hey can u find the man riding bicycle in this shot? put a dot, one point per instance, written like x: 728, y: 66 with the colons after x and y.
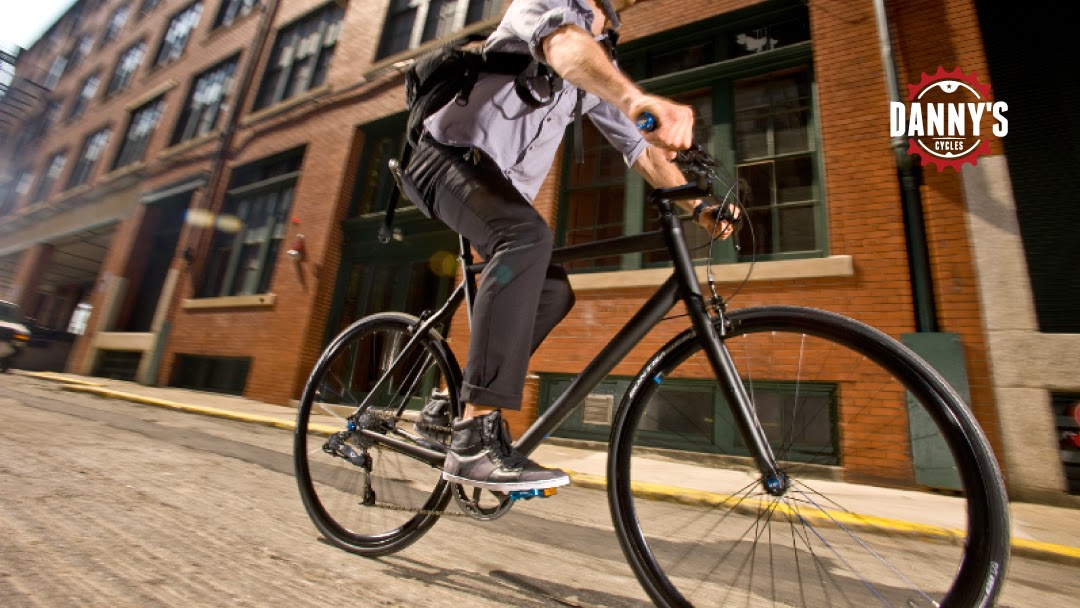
x: 478, y: 167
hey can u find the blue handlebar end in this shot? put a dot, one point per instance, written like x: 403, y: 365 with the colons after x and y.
x: 646, y: 122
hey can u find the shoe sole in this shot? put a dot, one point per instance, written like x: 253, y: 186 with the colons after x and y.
x: 508, y: 487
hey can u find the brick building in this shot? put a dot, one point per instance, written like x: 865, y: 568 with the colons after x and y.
x: 161, y: 156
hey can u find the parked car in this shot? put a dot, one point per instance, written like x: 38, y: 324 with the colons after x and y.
x: 14, y: 334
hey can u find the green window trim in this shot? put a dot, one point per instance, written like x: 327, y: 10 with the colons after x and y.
x: 717, y: 79
x: 722, y: 438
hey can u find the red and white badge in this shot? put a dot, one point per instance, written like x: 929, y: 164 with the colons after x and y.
x: 945, y: 117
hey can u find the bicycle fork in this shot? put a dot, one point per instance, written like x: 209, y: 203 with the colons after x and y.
x: 742, y: 408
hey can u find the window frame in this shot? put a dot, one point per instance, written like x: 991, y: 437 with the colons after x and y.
x: 170, y: 53
x: 111, y: 33
x: 16, y: 190
x: 126, y: 154
x: 182, y: 132
x: 56, y: 71
x: 50, y: 177
x: 219, y: 278
x: 719, y: 77
x: 147, y: 6
x: 464, y: 15
x: 373, y: 179
x: 83, y: 170
x: 118, y: 82
x: 80, y: 50
x: 224, y: 19
x: 281, y: 79
x: 724, y: 438
x: 82, y: 102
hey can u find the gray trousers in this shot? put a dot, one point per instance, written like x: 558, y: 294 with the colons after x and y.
x: 521, y: 295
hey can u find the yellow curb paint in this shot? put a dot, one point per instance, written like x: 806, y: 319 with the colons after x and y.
x: 54, y: 377
x: 195, y: 409
x: 1035, y: 547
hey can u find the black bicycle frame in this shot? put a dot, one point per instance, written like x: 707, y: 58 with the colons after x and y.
x: 681, y: 285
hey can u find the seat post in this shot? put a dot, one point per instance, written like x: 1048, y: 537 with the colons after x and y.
x: 468, y: 275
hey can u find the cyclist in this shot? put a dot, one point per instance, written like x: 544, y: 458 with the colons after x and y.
x: 478, y: 168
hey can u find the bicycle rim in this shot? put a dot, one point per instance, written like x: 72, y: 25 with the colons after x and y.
x: 408, y: 493
x: 835, y: 398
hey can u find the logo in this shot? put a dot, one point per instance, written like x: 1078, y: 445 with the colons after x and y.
x: 944, y: 119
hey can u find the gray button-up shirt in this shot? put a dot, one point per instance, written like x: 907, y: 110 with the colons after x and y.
x: 522, y: 140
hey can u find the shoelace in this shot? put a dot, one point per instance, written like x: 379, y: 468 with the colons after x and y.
x: 499, y: 438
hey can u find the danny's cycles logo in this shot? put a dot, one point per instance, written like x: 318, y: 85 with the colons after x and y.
x: 944, y: 119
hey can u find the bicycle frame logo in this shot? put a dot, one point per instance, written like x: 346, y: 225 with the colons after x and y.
x: 944, y: 117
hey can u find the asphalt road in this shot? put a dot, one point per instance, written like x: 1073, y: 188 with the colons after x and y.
x: 107, y: 503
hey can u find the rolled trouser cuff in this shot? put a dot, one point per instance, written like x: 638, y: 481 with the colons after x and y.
x: 478, y: 395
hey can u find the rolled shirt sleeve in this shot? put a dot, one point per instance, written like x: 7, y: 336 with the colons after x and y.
x: 618, y: 130
x: 534, y: 21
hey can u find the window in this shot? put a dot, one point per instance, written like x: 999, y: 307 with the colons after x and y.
x: 176, y: 37
x: 383, y: 140
x: 301, y: 57
x: 200, y: 114
x: 143, y: 121
x: 125, y: 68
x: 250, y: 228
x: 147, y: 6
x: 35, y: 129
x: 231, y: 10
x: 91, y: 152
x: 754, y: 112
x: 214, y: 374
x: 410, y: 23
x: 799, y: 419
x: 89, y: 89
x: 774, y: 156
x: 14, y: 191
x: 593, y: 186
x: 56, y: 167
x: 81, y: 49
x: 116, y: 23
x: 56, y: 70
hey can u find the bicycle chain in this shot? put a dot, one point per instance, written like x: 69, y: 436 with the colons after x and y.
x: 387, y: 416
x: 390, y: 507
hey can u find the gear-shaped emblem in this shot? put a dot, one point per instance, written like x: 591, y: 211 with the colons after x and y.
x: 944, y: 121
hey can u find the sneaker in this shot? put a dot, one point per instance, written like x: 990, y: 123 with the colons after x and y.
x: 433, y: 423
x: 481, y: 455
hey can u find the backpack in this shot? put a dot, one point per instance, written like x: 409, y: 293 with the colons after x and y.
x: 449, y: 73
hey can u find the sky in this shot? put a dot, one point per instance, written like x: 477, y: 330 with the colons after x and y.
x: 25, y: 21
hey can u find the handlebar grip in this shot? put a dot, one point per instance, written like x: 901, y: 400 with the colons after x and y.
x: 646, y: 122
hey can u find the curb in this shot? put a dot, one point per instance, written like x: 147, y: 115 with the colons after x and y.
x: 1022, y: 547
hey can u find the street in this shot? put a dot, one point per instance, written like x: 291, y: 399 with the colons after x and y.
x: 108, y: 503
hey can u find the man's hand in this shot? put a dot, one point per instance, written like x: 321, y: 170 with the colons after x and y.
x: 709, y: 219
x: 674, y: 122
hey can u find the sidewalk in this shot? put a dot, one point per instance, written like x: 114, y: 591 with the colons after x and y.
x: 1041, y: 531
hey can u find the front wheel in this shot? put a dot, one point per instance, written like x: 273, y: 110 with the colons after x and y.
x: 363, y: 496
x: 839, y: 402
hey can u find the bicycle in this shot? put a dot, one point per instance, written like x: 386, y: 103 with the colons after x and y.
x: 373, y: 486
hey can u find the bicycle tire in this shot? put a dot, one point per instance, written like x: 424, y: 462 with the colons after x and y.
x: 672, y: 560
x: 409, y: 494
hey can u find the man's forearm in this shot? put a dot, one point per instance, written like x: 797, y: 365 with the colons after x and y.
x: 576, y: 56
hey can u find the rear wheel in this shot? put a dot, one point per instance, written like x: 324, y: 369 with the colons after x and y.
x: 823, y: 387
x: 362, y: 495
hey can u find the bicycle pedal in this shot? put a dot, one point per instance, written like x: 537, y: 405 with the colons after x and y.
x: 530, y: 494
